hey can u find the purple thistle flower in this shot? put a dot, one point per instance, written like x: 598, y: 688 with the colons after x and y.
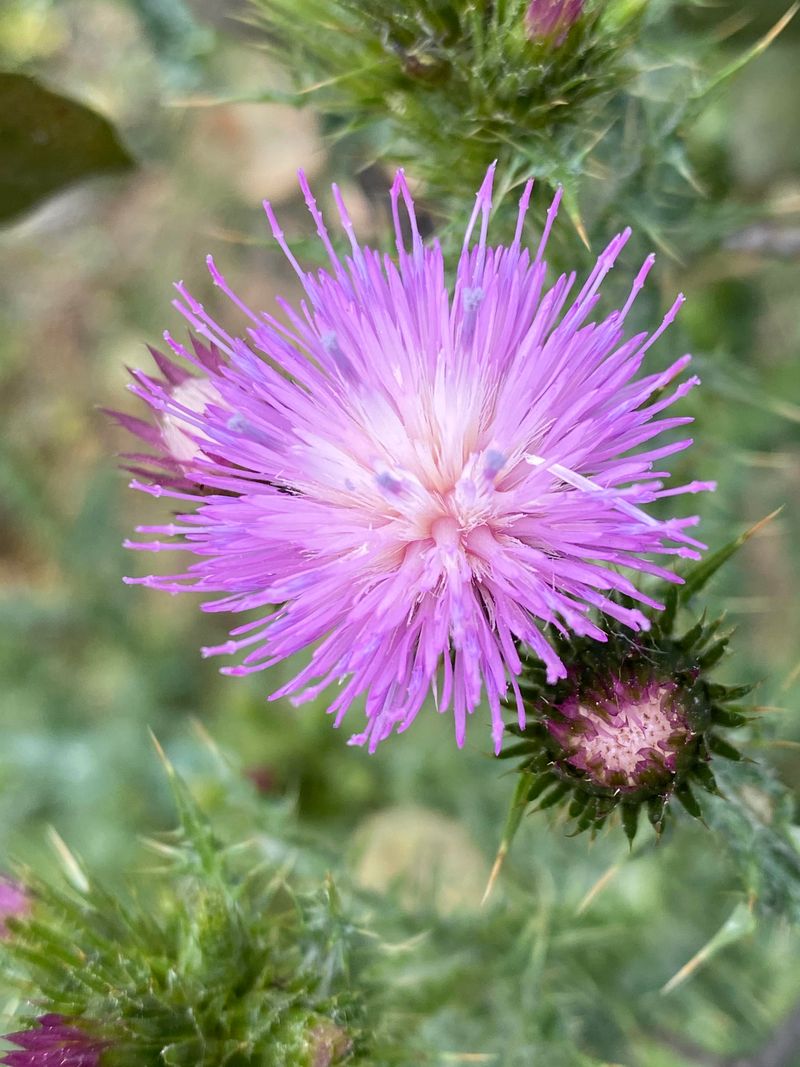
x: 412, y: 481
x: 14, y: 902
x: 552, y: 19
x: 54, y: 1042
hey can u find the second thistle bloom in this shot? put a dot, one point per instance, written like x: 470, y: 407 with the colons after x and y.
x: 411, y: 481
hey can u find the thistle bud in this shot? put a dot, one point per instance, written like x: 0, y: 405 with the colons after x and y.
x: 175, y: 435
x: 182, y: 440
x: 14, y: 903
x: 551, y: 20
x: 329, y: 1044
x: 627, y: 735
x: 229, y: 963
x: 633, y: 724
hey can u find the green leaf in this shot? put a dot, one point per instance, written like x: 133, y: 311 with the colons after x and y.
x: 701, y: 574
x: 528, y: 787
x: 47, y: 142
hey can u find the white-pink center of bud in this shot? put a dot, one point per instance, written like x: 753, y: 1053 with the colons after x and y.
x: 618, y: 741
x: 182, y: 438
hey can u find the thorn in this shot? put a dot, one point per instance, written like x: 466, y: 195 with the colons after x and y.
x: 777, y: 29
x: 599, y: 886
x: 73, y: 869
x: 495, y: 872
x: 739, y: 924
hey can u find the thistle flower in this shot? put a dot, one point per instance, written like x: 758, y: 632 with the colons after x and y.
x: 54, y: 1042
x: 552, y: 19
x: 634, y: 726
x: 414, y: 480
x: 14, y: 902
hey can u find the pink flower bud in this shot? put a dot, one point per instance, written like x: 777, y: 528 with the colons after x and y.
x: 13, y: 902
x: 552, y: 19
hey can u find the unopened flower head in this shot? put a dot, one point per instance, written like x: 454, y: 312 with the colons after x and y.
x: 634, y: 724
x: 14, y: 902
x: 177, y: 437
x: 55, y: 1041
x: 412, y: 481
x: 552, y: 19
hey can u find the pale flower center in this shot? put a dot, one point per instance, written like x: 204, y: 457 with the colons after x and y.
x: 619, y: 741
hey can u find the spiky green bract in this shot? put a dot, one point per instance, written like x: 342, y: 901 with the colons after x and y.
x: 572, y: 727
x: 446, y: 87
x: 216, y: 959
x: 622, y: 670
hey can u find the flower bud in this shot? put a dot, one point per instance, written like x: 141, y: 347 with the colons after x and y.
x: 551, y: 20
x: 633, y: 724
x: 180, y: 400
x: 329, y: 1044
x: 627, y: 736
x: 14, y: 903
x: 183, y: 440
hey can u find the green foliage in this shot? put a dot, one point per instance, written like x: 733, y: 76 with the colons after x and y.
x: 47, y: 142
x: 755, y: 817
x: 446, y: 87
x: 214, y: 959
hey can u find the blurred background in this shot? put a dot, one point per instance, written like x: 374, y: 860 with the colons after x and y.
x: 87, y: 664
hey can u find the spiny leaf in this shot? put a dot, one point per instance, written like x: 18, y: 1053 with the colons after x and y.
x: 756, y: 825
x: 752, y: 53
x: 194, y: 825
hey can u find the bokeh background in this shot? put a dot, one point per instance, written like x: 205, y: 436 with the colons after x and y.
x: 87, y: 665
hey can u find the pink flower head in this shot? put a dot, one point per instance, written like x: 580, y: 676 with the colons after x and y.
x: 411, y: 481
x: 14, y: 902
x: 54, y: 1042
x: 552, y: 19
